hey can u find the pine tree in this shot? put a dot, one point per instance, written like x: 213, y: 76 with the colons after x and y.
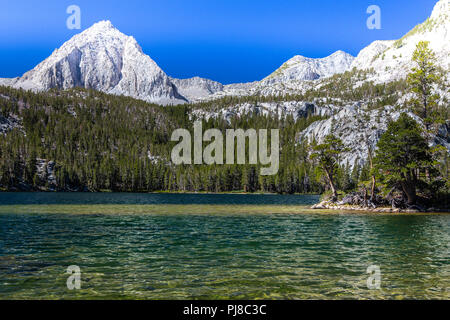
x: 421, y: 81
x: 327, y: 154
x: 403, y: 157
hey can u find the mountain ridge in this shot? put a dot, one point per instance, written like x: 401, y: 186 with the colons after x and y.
x: 304, y: 68
x: 104, y: 59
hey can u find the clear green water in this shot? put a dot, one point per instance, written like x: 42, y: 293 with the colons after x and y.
x: 159, y: 253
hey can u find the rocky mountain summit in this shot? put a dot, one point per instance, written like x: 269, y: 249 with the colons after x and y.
x: 302, y: 68
x: 104, y: 59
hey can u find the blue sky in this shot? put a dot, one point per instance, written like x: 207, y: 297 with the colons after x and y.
x: 228, y: 41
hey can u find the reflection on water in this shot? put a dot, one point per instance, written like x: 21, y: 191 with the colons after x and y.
x: 223, y: 256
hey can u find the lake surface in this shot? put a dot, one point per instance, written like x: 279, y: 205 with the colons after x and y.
x: 156, y: 253
x: 86, y: 198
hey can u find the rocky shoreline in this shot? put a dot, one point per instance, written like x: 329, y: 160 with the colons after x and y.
x: 335, y: 206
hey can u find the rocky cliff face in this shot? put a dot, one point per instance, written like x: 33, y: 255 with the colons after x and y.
x: 296, y: 109
x: 195, y: 89
x: 8, y: 82
x: 9, y: 123
x: 358, y: 128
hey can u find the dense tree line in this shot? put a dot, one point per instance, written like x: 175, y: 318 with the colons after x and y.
x: 103, y: 142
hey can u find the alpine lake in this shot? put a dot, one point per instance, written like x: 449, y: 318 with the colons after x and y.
x: 215, y: 246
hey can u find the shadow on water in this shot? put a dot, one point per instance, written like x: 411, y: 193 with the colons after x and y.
x: 85, y: 198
